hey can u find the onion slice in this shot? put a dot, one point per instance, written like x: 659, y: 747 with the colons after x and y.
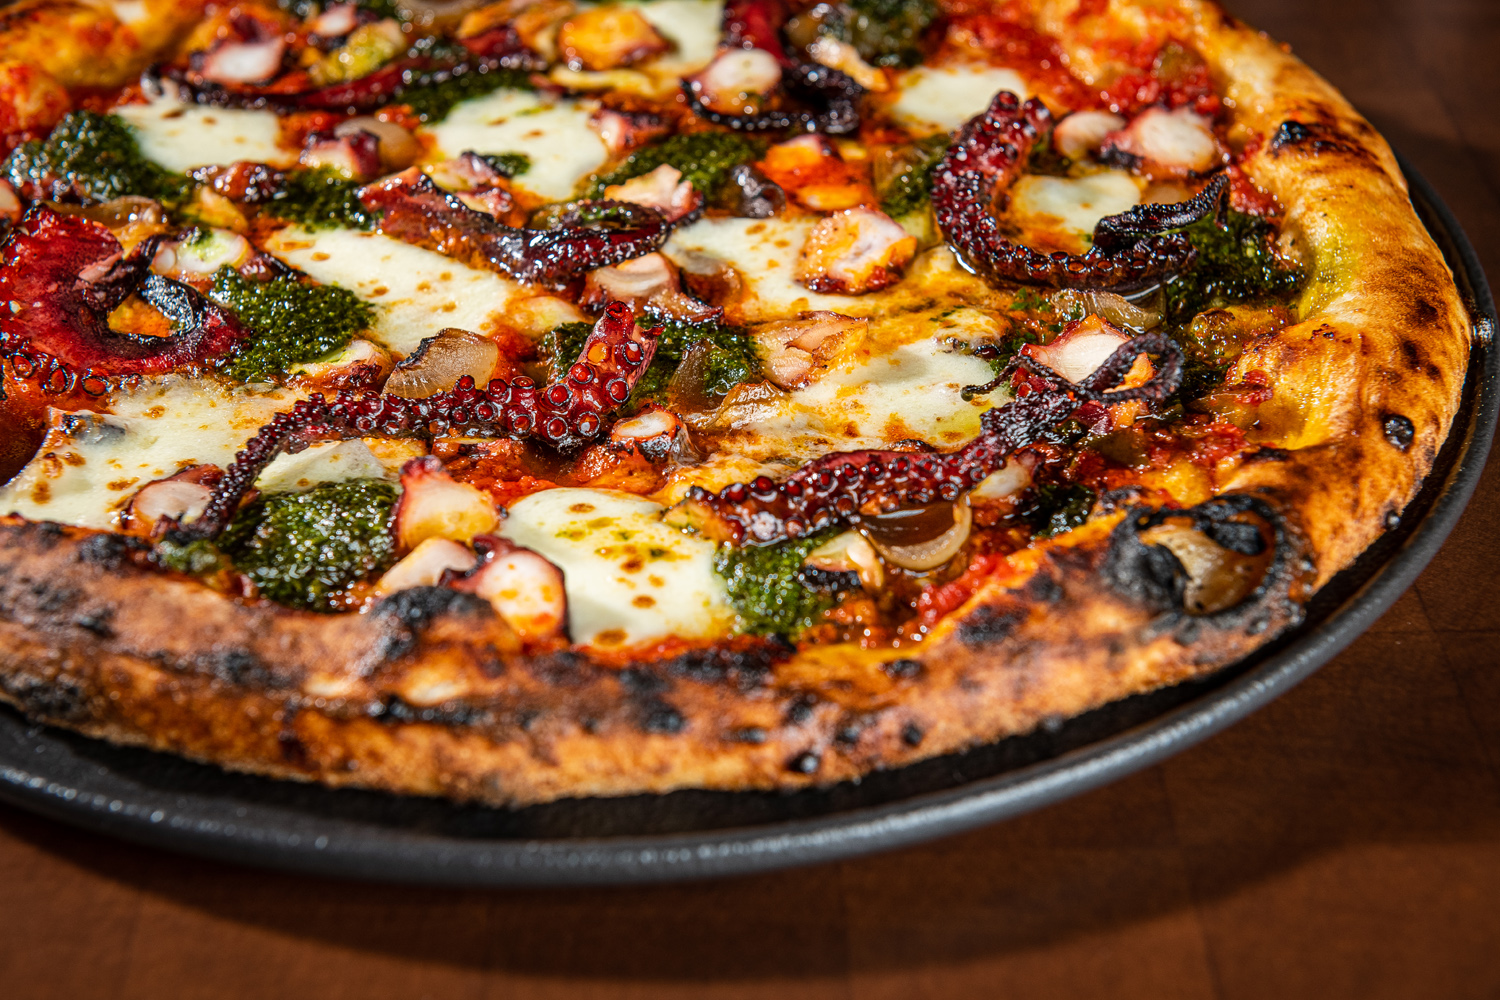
x: 920, y: 538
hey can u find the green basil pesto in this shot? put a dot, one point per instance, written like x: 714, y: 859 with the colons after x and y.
x: 1235, y: 264
x: 705, y: 159
x: 903, y: 180
x: 321, y: 198
x: 883, y: 32
x: 293, y: 322
x: 507, y: 164
x: 304, y: 550
x: 731, y: 357
x: 433, y: 95
x: 1056, y: 508
x: 98, y: 156
x: 765, y: 585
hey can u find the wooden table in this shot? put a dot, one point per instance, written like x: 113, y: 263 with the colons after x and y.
x: 1344, y: 842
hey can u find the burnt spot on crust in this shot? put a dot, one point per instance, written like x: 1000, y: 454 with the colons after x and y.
x: 1423, y: 312
x: 405, y: 614
x: 1154, y: 577
x: 746, y: 666
x: 564, y: 669
x: 800, y: 711
x: 393, y: 708
x: 1399, y: 431
x: 110, y: 552
x: 659, y: 717
x: 1268, y: 455
x: 988, y: 624
x: 806, y: 762
x: 97, y: 622
x: 1044, y: 589
x: 904, y: 669
x: 753, y: 735
x: 1314, y: 138
x: 1411, y: 351
x: 55, y: 699
x: 911, y: 734
x: 240, y: 667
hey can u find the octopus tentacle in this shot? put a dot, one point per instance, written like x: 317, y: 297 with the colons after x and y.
x: 1131, y: 250
x: 564, y: 414
x: 832, y: 96
x: 590, y: 235
x: 832, y: 93
x: 845, y: 485
x: 500, y: 49
x: 63, y: 275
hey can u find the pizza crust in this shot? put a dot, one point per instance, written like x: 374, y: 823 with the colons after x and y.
x: 435, y: 696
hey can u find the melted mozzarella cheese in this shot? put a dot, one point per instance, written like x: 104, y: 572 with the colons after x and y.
x: 552, y: 131
x: 416, y: 292
x: 765, y: 252
x: 1072, y: 206
x: 891, y: 389
x: 629, y: 578
x: 181, y: 136
x: 915, y: 391
x: 90, y: 465
x: 692, y: 26
x: 941, y: 98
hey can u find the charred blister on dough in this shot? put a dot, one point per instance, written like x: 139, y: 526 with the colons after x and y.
x: 1219, y: 564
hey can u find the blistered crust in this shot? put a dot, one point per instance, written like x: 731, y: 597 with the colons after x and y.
x: 431, y: 693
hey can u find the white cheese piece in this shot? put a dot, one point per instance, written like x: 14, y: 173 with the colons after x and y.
x: 329, y: 462
x: 629, y: 578
x: 915, y: 391
x: 1072, y: 205
x: 416, y: 292
x: 690, y: 25
x: 941, y: 98
x: 181, y: 136
x: 764, y: 251
x: 91, y: 464
x: 552, y: 131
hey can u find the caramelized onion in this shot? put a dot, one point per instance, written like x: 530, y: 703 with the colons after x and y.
x: 1217, y: 578
x: 1113, y: 308
x: 920, y: 538
x: 439, y: 362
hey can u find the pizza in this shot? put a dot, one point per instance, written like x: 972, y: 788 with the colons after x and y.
x: 548, y: 398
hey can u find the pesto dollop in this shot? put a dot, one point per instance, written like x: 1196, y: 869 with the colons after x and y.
x: 1236, y: 264
x: 765, y: 585
x: 304, y: 550
x: 883, y: 32
x: 321, y: 199
x: 904, y: 177
x: 433, y: 96
x: 95, y: 158
x: 731, y: 357
x: 293, y: 322
x: 705, y: 159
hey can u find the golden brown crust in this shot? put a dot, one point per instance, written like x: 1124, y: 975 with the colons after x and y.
x: 438, y: 699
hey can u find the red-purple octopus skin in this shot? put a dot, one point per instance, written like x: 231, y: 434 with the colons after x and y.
x: 417, y: 211
x: 1131, y: 250
x: 564, y: 414
x: 60, y: 278
x: 497, y: 49
x: 832, y: 96
x: 843, y: 486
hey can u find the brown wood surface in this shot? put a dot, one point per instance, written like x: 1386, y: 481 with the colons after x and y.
x: 1344, y: 842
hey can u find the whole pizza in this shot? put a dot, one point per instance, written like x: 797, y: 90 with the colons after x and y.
x: 549, y: 398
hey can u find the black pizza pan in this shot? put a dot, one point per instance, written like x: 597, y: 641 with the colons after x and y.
x: 167, y: 802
